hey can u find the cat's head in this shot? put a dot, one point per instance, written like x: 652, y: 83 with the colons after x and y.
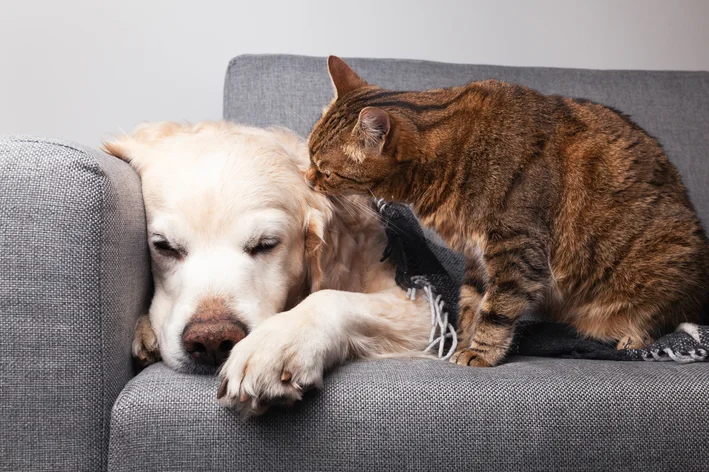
x: 356, y: 147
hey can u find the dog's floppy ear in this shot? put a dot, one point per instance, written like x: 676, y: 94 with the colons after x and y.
x: 315, y: 224
x: 125, y: 148
x: 135, y: 148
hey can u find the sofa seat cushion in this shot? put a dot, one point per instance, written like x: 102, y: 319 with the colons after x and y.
x: 402, y: 414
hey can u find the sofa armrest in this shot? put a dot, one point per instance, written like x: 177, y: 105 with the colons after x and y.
x: 74, y: 276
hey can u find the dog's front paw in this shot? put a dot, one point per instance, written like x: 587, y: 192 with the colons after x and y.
x: 145, y: 342
x: 274, y: 365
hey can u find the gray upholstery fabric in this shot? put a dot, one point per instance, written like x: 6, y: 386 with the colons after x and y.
x: 529, y: 414
x: 291, y: 91
x: 74, y: 275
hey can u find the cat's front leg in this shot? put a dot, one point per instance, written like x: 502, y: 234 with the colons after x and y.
x: 517, y: 275
x: 472, y: 292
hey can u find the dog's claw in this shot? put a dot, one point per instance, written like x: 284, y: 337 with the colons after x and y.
x: 271, y: 369
x: 222, y: 388
x: 145, y: 342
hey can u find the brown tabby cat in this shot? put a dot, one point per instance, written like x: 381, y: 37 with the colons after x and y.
x: 561, y: 206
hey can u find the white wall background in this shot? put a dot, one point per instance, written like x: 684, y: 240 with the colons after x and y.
x: 83, y: 69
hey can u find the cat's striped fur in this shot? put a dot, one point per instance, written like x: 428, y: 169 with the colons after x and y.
x: 561, y: 206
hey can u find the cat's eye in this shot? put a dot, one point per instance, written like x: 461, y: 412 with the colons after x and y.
x: 263, y: 246
x: 165, y: 248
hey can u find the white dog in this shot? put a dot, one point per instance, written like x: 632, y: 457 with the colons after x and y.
x: 253, y: 267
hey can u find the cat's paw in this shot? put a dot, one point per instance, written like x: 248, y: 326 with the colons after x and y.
x: 632, y: 342
x: 469, y: 357
x: 145, y: 343
x: 274, y: 365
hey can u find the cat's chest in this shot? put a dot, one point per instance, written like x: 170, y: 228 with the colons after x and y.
x: 458, y: 231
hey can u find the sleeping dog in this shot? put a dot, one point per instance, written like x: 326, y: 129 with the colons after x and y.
x: 256, y: 274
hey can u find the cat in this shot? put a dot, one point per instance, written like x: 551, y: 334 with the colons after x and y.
x: 562, y: 207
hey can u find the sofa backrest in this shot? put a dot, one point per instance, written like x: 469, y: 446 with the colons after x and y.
x: 291, y: 91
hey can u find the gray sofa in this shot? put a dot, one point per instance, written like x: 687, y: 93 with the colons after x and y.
x: 75, y: 274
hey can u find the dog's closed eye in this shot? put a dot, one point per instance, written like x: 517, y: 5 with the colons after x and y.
x: 165, y: 248
x: 262, y: 245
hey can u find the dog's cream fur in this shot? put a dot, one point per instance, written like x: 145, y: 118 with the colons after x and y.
x: 320, y: 297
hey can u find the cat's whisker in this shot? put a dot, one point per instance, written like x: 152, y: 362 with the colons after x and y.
x: 368, y: 209
x: 343, y: 203
x: 356, y: 207
x: 296, y: 114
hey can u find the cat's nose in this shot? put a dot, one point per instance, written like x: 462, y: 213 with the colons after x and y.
x: 312, y: 176
x: 311, y: 173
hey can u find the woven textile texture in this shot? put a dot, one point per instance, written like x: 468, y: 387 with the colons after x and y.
x: 74, y: 275
x: 530, y: 414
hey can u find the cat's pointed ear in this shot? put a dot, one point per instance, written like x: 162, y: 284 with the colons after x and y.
x: 343, y: 77
x: 375, y: 124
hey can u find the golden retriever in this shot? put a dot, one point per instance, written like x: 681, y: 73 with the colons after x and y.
x: 254, y: 269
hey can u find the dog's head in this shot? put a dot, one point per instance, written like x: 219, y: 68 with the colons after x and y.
x: 234, y: 232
